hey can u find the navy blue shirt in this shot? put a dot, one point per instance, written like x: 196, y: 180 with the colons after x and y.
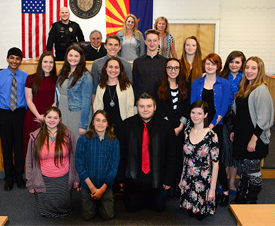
x: 5, y: 88
x: 97, y: 159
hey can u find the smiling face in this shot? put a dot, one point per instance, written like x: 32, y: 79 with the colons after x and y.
x: 190, y: 46
x: 14, y: 62
x: 146, y: 108
x: 210, y: 68
x: 73, y: 58
x: 96, y: 39
x: 235, y: 65
x: 172, y: 69
x: 152, y: 42
x: 251, y: 71
x: 161, y: 26
x: 47, y: 65
x: 64, y: 15
x: 52, y: 120
x: 100, y: 123
x: 112, y: 47
x: 197, y: 115
x: 113, y: 69
x: 130, y: 23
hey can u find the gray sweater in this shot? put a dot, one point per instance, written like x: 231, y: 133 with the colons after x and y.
x: 261, y: 110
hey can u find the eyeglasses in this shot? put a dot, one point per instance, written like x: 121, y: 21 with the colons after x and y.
x: 172, y: 68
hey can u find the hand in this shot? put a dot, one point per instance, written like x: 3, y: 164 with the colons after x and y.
x: 76, y: 185
x: 232, y: 136
x: 39, y: 119
x: 32, y: 191
x: 177, y: 130
x: 166, y: 187
x: 81, y: 131
x: 211, y: 126
x: 211, y: 195
x: 180, y: 185
x: 54, y: 104
x: 251, y: 147
x: 97, y: 194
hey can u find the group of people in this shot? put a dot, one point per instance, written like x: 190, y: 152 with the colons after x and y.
x: 166, y: 128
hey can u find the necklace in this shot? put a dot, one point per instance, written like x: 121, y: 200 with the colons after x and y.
x: 112, y: 103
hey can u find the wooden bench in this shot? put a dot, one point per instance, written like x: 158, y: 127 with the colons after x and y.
x: 3, y: 220
x: 254, y: 214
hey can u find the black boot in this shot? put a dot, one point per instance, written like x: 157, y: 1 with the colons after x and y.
x: 252, y: 194
x: 241, y: 191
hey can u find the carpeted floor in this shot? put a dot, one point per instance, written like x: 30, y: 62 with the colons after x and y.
x: 20, y: 206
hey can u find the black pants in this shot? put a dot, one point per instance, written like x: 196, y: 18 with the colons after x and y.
x: 11, y: 123
x: 222, y: 177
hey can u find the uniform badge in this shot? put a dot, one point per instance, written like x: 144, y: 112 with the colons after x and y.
x: 70, y: 29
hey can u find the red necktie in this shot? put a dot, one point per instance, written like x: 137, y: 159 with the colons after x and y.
x: 145, y: 150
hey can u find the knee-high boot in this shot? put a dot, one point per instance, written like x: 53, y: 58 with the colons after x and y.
x: 252, y: 193
x: 241, y: 191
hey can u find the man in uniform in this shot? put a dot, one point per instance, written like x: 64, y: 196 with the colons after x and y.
x: 96, y: 50
x: 62, y: 34
x: 12, y: 113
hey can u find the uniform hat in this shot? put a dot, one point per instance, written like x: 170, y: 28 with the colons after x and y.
x: 15, y: 51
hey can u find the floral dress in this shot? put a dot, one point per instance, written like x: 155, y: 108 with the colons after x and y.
x: 197, y: 173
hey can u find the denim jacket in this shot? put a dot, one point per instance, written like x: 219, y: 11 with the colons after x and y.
x: 80, y: 97
x: 140, y: 44
x: 221, y: 89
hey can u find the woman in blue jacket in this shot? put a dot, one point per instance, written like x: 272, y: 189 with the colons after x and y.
x: 215, y: 91
x: 75, y: 88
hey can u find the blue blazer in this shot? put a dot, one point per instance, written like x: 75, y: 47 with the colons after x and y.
x: 221, y: 89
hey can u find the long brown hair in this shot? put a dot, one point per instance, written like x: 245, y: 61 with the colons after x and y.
x: 244, y: 91
x: 122, y: 78
x: 164, y: 83
x: 61, y: 140
x: 80, y: 68
x: 40, y: 74
x: 196, y: 65
x: 109, y: 130
x: 225, y: 71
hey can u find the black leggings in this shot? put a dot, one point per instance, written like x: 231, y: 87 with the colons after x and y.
x: 222, y: 177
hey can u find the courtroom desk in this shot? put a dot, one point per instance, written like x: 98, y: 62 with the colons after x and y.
x: 3, y: 220
x: 29, y: 66
x: 254, y: 214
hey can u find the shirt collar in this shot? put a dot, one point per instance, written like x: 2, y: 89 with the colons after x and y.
x: 97, y: 49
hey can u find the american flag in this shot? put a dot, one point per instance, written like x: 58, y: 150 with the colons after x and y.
x: 37, y: 18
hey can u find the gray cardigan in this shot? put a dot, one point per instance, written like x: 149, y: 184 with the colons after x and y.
x: 261, y: 110
x: 33, y: 172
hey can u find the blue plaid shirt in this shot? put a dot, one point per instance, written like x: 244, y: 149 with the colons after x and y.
x: 97, y: 159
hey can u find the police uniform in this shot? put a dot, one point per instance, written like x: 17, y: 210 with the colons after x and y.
x: 62, y: 35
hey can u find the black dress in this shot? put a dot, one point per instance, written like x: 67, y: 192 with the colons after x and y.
x: 243, y: 131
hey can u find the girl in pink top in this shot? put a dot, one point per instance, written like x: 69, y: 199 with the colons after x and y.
x: 50, y: 166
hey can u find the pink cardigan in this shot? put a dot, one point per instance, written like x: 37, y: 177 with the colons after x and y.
x: 33, y: 172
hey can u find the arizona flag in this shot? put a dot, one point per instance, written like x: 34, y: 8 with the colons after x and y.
x: 117, y: 10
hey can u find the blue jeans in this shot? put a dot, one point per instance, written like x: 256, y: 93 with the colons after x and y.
x: 136, y: 201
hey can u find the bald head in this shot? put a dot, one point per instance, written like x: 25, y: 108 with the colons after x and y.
x: 64, y: 15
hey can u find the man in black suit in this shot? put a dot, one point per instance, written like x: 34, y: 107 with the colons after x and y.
x: 147, y: 165
x: 96, y: 50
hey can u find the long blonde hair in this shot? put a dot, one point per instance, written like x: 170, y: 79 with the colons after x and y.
x: 243, y: 92
x: 136, y: 32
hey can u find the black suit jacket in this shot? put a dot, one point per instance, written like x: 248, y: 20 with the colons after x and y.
x: 162, y: 153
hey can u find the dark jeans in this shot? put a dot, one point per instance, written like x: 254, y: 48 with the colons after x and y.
x: 11, y: 123
x: 105, y: 204
x: 136, y: 201
x: 222, y: 177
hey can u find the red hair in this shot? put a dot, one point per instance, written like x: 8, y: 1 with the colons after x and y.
x: 214, y: 59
